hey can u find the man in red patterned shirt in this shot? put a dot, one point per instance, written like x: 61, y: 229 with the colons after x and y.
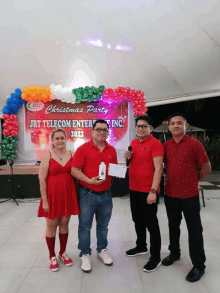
x: 183, y: 157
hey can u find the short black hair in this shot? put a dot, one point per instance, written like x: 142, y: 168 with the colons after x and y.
x: 145, y: 118
x: 100, y: 121
x: 176, y: 114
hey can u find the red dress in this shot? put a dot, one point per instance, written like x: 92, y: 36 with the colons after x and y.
x: 61, y: 192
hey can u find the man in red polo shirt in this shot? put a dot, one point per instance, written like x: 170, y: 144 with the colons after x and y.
x: 145, y: 171
x: 183, y: 156
x: 94, y: 194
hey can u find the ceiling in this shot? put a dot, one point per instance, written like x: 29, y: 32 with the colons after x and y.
x: 164, y: 48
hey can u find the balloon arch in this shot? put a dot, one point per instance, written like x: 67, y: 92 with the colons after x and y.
x: 53, y: 92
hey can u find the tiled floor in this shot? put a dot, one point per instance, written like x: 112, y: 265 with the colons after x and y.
x: 24, y: 255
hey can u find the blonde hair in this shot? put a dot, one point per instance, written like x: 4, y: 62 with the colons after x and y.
x: 56, y: 131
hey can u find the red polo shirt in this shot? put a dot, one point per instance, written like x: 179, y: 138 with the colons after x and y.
x: 88, y: 157
x: 141, y: 171
x: 181, y: 161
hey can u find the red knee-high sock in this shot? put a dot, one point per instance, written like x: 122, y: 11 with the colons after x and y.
x: 63, y: 242
x: 51, y: 245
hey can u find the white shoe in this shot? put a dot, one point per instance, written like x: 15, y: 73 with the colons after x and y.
x: 105, y: 257
x: 86, y: 263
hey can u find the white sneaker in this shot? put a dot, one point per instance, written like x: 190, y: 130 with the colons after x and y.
x: 105, y: 257
x: 86, y: 263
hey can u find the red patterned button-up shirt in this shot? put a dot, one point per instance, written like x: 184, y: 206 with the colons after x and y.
x: 181, y: 161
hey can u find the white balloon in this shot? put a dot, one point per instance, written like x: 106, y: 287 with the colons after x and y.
x: 57, y: 94
x: 69, y: 98
x: 59, y: 89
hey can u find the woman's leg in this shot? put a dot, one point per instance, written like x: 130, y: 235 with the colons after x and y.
x: 63, y: 233
x: 51, y: 235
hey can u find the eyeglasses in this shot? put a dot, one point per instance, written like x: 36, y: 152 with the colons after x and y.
x: 142, y: 126
x: 101, y: 129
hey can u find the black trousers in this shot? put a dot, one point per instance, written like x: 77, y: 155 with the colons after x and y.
x: 144, y: 216
x: 191, y: 211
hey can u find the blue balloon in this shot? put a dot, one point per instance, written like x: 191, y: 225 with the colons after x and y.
x: 8, y: 101
x: 22, y: 101
x: 5, y: 110
x: 13, y: 105
x: 15, y: 101
x: 18, y: 92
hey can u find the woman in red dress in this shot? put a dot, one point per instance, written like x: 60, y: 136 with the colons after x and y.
x: 58, y: 196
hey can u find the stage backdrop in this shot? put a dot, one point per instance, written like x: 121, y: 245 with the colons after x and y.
x: 38, y: 119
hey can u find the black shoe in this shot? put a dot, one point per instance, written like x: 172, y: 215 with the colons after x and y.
x: 151, y: 265
x: 195, y: 275
x: 135, y: 251
x: 169, y: 260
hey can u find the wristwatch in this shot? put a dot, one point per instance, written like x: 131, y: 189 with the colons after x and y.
x: 153, y: 190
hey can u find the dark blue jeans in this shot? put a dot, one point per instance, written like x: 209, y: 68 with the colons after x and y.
x: 91, y: 204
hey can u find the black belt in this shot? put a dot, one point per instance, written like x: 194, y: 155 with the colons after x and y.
x: 90, y: 190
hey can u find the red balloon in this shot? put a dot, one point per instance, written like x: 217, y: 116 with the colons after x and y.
x: 9, y: 127
x: 133, y: 96
x: 13, y: 117
x: 5, y: 116
x: 14, y: 124
x: 14, y: 133
x: 5, y: 125
x: 6, y: 132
